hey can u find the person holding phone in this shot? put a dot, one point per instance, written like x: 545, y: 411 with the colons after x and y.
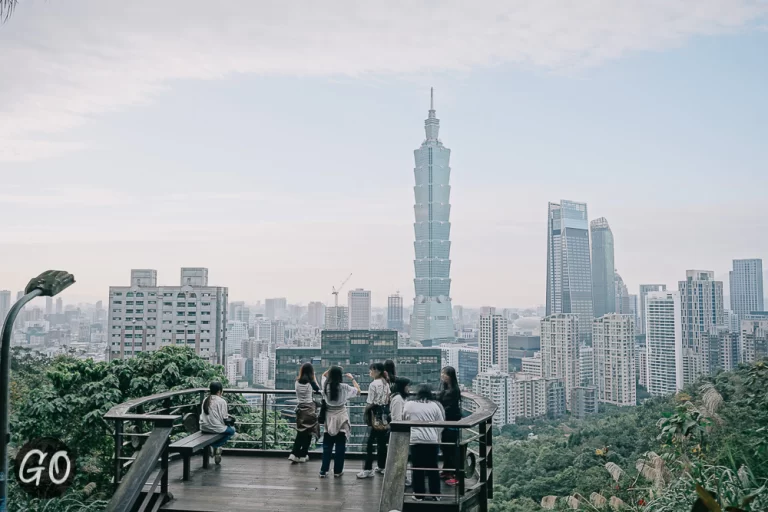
x: 337, y: 425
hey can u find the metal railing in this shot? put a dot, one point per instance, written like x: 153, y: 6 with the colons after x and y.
x: 266, y: 426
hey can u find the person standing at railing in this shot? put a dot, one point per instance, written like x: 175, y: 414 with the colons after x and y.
x: 377, y: 417
x: 337, y: 424
x: 397, y: 406
x: 306, y: 414
x: 213, y: 419
x: 424, y: 442
x: 449, y: 397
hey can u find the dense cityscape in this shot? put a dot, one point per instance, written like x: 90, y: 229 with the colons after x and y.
x: 592, y: 343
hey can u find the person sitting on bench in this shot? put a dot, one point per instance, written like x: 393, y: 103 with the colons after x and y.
x: 214, y: 418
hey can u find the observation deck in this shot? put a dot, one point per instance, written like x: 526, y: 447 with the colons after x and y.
x: 255, y: 474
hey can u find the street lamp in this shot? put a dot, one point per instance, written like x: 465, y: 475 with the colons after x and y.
x: 47, y: 284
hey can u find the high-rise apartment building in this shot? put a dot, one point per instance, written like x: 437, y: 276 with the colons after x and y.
x: 532, y: 365
x: 275, y: 308
x: 702, y: 307
x: 753, y: 343
x: 623, y: 306
x: 560, y: 350
x: 145, y: 317
x: 645, y: 289
x: 237, y: 332
x: 359, y: 302
x: 278, y: 333
x: 492, y: 342
x: 584, y: 401
x: 432, y: 316
x: 663, y: 342
x: 337, y: 318
x: 613, y: 342
x: 603, y: 265
x: 641, y: 365
x: 587, y: 365
x: 746, y: 281
x: 49, y: 305
x: 634, y: 310
x: 723, y: 349
x: 517, y: 396
x: 262, y: 329
x: 59, y: 306
x: 316, y: 314
x: 569, y: 270
x: 5, y: 305
x: 395, y: 312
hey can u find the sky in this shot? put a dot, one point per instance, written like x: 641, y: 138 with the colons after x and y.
x: 273, y: 142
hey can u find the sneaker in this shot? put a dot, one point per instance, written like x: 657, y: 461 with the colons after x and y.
x: 417, y: 498
x: 379, y: 470
x: 303, y: 459
x: 217, y: 458
x: 451, y: 482
x: 293, y: 458
x: 366, y: 473
x: 337, y: 475
x: 323, y: 475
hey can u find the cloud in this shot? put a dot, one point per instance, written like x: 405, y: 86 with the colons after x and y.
x: 65, y: 62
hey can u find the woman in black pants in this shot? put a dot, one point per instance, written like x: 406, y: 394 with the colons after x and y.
x: 306, y: 414
x: 450, y: 398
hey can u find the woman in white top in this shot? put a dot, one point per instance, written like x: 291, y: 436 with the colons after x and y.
x: 212, y: 419
x: 306, y: 414
x: 337, y: 425
x: 424, y: 441
x: 377, y: 416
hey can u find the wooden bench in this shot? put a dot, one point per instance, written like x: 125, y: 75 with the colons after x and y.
x: 192, y: 444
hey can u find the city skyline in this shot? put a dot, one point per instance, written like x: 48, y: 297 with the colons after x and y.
x: 615, y: 115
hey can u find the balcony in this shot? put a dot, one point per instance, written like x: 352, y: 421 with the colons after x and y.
x: 255, y: 473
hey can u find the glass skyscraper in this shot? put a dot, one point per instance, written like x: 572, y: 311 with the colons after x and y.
x: 603, y: 293
x: 432, y: 312
x: 569, y: 270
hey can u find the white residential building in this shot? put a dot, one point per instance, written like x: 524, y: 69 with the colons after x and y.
x: 753, y: 342
x: 493, y: 384
x: 701, y: 300
x: 645, y: 289
x: 144, y: 317
x: 493, y: 342
x: 237, y: 332
x: 613, y: 341
x: 263, y: 329
x: 663, y: 342
x: 641, y: 365
x: 560, y: 350
x: 337, y: 318
x: 359, y: 302
x: 527, y: 397
x: 587, y: 365
x: 746, y: 280
x: 532, y: 365
x: 261, y: 366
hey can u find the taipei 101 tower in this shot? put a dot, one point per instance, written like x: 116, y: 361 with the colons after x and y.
x: 432, y: 317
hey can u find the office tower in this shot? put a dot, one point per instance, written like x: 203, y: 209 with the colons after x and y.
x: 753, y: 342
x: 622, y: 296
x: 560, y: 350
x: 359, y: 302
x: 431, y: 318
x: 316, y: 314
x: 5, y: 305
x: 702, y: 306
x: 531, y: 365
x: 587, y: 365
x: 569, y: 271
x: 613, y: 342
x: 645, y: 289
x: 239, y: 312
x: 458, y: 317
x: 237, y: 333
x: 493, y: 342
x: 634, y: 310
x: 747, y: 286
x: 337, y: 318
x: 48, y: 305
x: 146, y: 318
x: 395, y: 312
x: 145, y: 277
x: 59, y: 306
x: 275, y: 308
x: 663, y: 342
x: 603, y: 295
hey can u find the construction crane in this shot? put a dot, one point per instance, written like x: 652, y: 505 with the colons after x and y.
x: 336, y: 292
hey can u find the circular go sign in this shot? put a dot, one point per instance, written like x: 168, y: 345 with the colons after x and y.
x: 45, y: 468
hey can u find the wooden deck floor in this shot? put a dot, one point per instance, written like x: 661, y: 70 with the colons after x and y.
x: 271, y: 484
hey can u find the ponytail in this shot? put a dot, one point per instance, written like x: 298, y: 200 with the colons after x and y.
x: 215, y: 388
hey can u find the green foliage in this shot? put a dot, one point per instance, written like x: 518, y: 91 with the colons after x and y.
x: 712, y: 434
x: 67, y: 398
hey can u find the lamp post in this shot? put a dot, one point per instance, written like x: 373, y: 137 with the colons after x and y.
x: 47, y: 284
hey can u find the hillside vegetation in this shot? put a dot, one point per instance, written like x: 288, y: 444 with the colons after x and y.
x: 713, y: 435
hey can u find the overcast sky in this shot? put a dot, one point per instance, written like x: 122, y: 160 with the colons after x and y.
x: 272, y: 141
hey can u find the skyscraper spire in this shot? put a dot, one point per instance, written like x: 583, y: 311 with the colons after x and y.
x: 432, y: 124
x: 431, y: 98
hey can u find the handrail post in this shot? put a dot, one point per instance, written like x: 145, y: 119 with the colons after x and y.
x: 164, y: 468
x: 118, y: 450
x: 460, y: 461
x: 490, y: 459
x: 263, y: 421
x: 483, y: 440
